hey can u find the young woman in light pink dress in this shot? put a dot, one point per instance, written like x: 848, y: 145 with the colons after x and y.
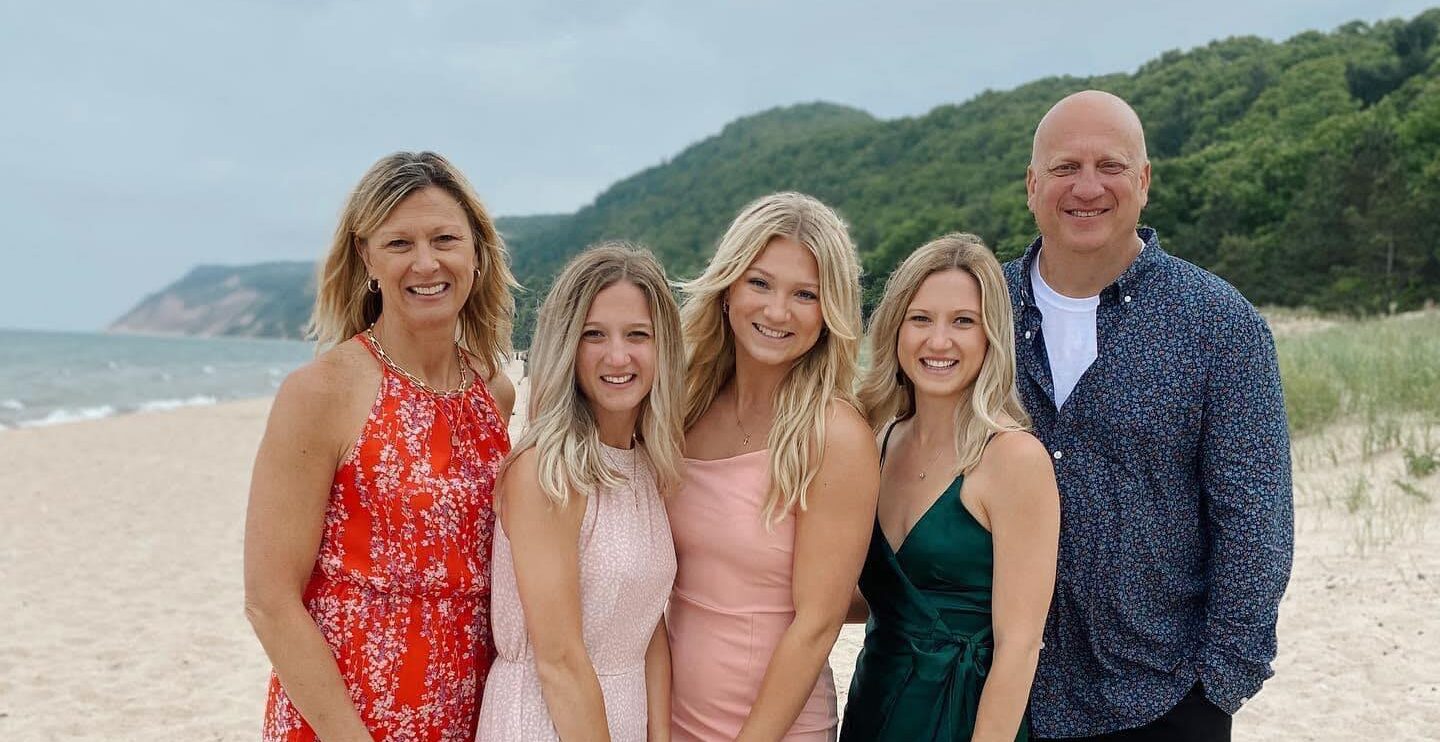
x: 583, y: 562
x: 773, y: 519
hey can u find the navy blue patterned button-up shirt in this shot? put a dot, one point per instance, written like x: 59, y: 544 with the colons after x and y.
x: 1173, y: 460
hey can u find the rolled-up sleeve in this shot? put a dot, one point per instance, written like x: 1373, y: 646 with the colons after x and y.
x: 1249, y: 509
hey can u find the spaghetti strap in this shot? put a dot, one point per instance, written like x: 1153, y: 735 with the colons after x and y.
x: 885, y: 443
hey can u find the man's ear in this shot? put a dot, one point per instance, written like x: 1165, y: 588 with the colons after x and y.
x: 1145, y: 184
x: 1030, y: 186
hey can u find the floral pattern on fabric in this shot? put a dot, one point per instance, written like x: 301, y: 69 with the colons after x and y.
x: 401, y: 586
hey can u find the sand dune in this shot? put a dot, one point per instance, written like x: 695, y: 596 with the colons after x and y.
x: 121, y: 598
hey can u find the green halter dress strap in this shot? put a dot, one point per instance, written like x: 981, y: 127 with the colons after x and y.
x: 928, y: 641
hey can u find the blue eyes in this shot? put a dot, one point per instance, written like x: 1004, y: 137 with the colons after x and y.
x: 803, y: 295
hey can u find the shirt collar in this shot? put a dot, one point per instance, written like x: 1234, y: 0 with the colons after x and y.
x: 1125, y: 285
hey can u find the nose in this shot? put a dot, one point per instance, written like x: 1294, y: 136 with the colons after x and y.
x: 939, y: 338
x: 1087, y: 184
x: 616, y: 354
x: 777, y: 310
x: 425, y: 260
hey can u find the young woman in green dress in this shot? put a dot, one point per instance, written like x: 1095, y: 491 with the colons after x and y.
x: 961, y: 564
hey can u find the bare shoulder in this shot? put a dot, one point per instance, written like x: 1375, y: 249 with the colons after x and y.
x: 502, y: 390
x: 1015, y: 471
x: 328, y: 396
x: 330, y: 379
x: 1016, y: 448
x: 846, y: 429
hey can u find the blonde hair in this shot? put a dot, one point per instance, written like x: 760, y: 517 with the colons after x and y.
x: 886, y: 393
x: 561, y: 426
x: 826, y: 372
x: 343, y: 304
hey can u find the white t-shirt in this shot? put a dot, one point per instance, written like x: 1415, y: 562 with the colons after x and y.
x: 1069, y: 330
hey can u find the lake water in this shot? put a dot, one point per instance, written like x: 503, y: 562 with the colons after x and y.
x: 48, y: 378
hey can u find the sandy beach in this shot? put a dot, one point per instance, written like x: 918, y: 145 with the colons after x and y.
x: 120, y: 582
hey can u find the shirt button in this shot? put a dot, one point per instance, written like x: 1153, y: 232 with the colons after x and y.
x: 1027, y: 334
x: 1059, y: 455
x: 1127, y: 298
x: 1245, y: 700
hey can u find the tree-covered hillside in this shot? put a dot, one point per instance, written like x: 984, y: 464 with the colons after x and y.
x: 1305, y: 172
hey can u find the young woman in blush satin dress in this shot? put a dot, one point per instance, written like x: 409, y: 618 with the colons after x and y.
x: 774, y: 515
x: 583, y: 561
x: 367, y: 543
x: 961, y: 564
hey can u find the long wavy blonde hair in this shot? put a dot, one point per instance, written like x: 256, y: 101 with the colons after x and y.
x: 826, y: 372
x: 886, y: 393
x: 343, y: 305
x: 562, y: 427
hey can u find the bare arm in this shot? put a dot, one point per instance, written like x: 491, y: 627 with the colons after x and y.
x: 859, y: 611
x: 545, y: 542
x: 1023, y: 507
x: 831, y: 537
x: 289, y: 491
x: 657, y: 684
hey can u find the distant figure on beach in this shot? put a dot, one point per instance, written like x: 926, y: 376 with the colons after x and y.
x: 1154, y: 385
x: 961, y: 564
x: 367, y: 543
x: 775, y: 512
x: 583, y: 561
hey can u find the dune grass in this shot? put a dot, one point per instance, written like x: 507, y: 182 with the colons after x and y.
x: 1368, y: 371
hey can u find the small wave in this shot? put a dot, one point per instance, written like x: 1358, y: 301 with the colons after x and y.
x: 62, y: 415
x: 14, y: 405
x: 208, y: 369
x: 161, y: 405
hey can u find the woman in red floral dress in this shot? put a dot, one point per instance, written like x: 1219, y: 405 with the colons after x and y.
x: 367, y: 543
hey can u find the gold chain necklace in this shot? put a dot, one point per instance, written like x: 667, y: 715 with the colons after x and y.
x: 465, y: 379
x: 933, y: 459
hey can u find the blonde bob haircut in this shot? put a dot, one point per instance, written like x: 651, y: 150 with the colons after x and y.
x: 562, y: 427
x: 826, y: 372
x: 344, y: 306
x: 994, y: 406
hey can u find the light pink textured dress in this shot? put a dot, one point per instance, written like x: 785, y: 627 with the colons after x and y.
x: 627, y: 567
x: 731, y: 603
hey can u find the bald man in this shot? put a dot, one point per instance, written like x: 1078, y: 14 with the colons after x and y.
x: 1153, y: 384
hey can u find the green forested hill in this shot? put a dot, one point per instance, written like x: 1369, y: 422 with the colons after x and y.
x: 1306, y: 172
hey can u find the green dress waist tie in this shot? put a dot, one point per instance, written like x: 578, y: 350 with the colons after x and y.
x: 928, y: 642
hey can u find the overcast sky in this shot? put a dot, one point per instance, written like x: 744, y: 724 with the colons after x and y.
x: 138, y: 139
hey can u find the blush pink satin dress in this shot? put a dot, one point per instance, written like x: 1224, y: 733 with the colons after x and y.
x: 731, y: 603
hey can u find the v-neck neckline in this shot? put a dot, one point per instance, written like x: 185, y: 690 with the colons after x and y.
x: 934, y: 504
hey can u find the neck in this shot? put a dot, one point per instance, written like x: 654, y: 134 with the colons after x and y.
x: 428, y: 353
x: 615, y: 429
x: 1083, y: 274
x: 934, y: 421
x: 755, y: 385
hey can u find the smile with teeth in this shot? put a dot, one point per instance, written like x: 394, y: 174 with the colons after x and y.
x: 621, y: 379
x: 1086, y: 213
x: 939, y: 364
x: 428, y: 290
x: 771, y: 333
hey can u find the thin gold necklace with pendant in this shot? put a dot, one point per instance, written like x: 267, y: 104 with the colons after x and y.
x: 933, y: 459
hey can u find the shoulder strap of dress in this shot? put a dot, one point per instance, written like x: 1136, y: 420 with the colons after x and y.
x: 885, y: 442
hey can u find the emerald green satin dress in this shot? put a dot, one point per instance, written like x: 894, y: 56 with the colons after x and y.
x: 928, y: 642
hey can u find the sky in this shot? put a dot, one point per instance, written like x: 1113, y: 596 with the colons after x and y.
x: 140, y: 139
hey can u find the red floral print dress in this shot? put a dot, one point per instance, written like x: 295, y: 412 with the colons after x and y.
x: 401, y: 587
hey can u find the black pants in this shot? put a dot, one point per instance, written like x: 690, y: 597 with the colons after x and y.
x: 1194, y: 719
